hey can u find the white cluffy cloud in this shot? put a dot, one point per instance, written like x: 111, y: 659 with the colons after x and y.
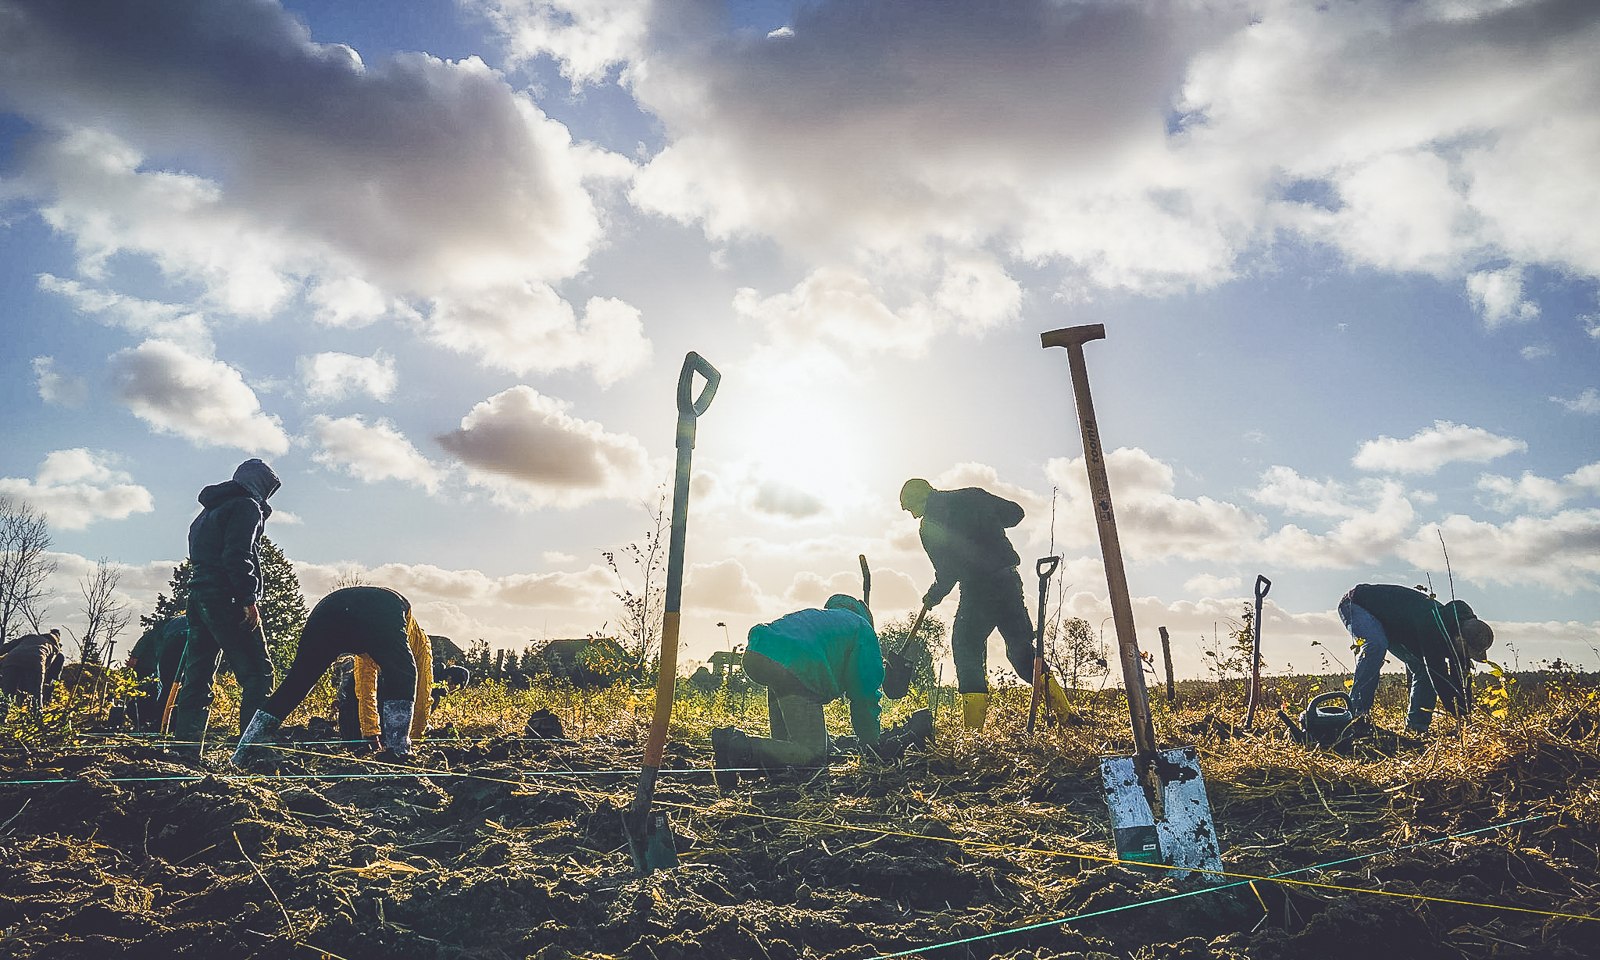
x: 1141, y: 146
x: 57, y: 387
x: 74, y: 488
x: 530, y: 452
x: 333, y: 376
x: 1497, y: 295
x: 1429, y: 449
x: 1152, y: 522
x: 1370, y: 518
x: 529, y: 328
x: 307, y: 171
x: 1587, y: 402
x: 201, y: 399
x: 148, y: 318
x: 371, y: 452
x: 1539, y: 494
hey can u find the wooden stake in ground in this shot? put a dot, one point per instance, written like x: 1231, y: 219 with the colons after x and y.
x: 1166, y: 654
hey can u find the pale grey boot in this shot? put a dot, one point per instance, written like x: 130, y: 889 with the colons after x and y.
x: 395, y: 721
x: 261, y: 726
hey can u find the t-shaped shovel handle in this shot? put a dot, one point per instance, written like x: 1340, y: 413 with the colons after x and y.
x: 1073, y: 336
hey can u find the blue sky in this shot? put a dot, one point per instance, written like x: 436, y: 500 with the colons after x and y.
x: 439, y: 263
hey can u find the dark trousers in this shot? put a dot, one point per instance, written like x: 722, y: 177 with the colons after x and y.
x: 390, y: 650
x: 990, y: 603
x: 217, y: 630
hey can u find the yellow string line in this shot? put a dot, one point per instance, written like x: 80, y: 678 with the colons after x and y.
x: 986, y: 844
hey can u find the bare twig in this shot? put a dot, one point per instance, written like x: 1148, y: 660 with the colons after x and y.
x: 289, y: 924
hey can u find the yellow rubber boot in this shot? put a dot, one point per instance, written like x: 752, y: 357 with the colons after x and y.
x: 974, y: 710
x: 1057, y: 698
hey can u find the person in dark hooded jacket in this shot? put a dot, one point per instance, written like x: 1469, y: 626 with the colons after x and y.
x: 30, y: 663
x: 224, y: 593
x: 964, y: 534
x: 1436, y: 642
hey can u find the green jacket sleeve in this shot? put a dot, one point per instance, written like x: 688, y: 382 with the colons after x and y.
x: 864, y: 684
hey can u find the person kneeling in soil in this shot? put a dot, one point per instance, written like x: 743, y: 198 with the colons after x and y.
x: 1434, y: 640
x: 376, y: 625
x: 806, y: 659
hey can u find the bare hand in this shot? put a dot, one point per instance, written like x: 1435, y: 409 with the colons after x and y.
x: 252, y: 617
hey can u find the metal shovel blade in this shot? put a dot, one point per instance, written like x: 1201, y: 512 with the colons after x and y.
x: 1183, y: 837
x: 651, y: 842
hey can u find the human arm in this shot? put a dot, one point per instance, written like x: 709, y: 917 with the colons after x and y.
x: 241, y: 532
x: 864, y: 685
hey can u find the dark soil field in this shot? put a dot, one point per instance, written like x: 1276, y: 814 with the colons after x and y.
x: 1483, y: 845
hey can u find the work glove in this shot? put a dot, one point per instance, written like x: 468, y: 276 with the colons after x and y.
x: 937, y: 593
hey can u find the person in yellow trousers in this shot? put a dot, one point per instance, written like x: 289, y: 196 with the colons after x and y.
x: 375, y: 624
x: 964, y: 534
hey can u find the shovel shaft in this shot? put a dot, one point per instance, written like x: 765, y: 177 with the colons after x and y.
x: 690, y: 407
x: 1073, y: 338
x: 1045, y: 567
x: 916, y: 623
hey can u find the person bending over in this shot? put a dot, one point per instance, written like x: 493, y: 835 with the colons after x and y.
x: 374, y: 623
x: 1434, y: 640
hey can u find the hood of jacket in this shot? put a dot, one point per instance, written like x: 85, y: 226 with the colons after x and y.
x: 256, y: 477
x: 218, y: 493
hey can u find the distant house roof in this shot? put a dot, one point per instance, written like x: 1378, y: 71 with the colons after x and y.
x: 587, y: 661
x: 445, y: 649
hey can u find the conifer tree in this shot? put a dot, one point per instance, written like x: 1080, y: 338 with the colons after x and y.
x: 283, y: 607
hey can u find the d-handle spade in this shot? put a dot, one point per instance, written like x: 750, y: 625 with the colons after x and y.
x: 1262, y: 586
x: 1045, y: 567
x: 650, y: 839
x: 866, y: 582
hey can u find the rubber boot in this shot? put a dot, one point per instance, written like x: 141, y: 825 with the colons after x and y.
x: 394, y: 719
x: 730, y: 750
x: 1057, y: 698
x: 974, y: 710
x: 261, y: 726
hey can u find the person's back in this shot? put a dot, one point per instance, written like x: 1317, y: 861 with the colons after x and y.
x: 835, y: 653
x: 225, y: 543
x: 964, y: 532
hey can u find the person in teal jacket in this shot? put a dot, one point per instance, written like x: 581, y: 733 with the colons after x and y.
x: 806, y: 659
x: 1434, y: 640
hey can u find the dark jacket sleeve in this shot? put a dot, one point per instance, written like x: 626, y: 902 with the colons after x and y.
x: 242, y: 522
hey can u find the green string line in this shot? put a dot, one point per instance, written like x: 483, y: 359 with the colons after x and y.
x: 1195, y: 893
x: 360, y: 776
